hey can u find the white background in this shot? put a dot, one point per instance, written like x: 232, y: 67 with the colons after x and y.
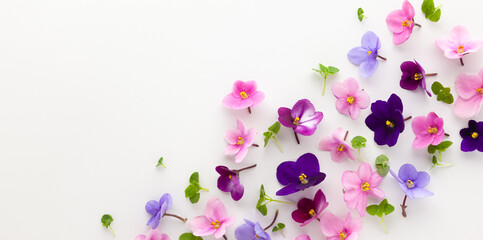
x: 93, y: 92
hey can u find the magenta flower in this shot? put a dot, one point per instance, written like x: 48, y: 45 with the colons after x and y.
x: 244, y: 95
x: 302, y: 118
x: 153, y: 234
x: 309, y: 210
x: 302, y: 237
x: 458, y: 44
x: 428, y: 130
x: 413, y: 75
x: 350, y: 100
x: 239, y: 140
x: 229, y: 181
x: 470, y: 95
x: 401, y: 23
x: 358, y: 185
x: 339, y: 149
x: 213, y: 222
x: 334, y: 228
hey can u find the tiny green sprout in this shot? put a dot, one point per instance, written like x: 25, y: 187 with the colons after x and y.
x: 279, y: 228
x: 271, y: 134
x: 382, y: 165
x: 192, y: 191
x: 360, y: 14
x: 442, y: 93
x: 160, y: 163
x: 440, y: 148
x: 106, y: 221
x: 189, y: 236
x: 325, y: 72
x: 430, y: 12
x: 384, y: 208
x: 359, y: 142
x: 264, y: 199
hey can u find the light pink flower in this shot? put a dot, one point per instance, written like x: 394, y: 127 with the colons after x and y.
x: 401, y: 23
x: 239, y: 140
x: 358, y: 185
x: 339, y: 149
x: 244, y: 95
x: 153, y: 234
x: 303, y: 237
x: 213, y: 222
x: 470, y: 95
x: 334, y: 228
x: 459, y: 43
x: 350, y: 100
x: 428, y: 130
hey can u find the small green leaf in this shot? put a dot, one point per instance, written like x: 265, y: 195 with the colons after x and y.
x: 443, y: 146
x: 358, y: 142
x: 435, y: 160
x: 427, y: 7
x: 274, y: 229
x: 191, y: 190
x: 360, y: 14
x: 189, y: 236
x: 275, y: 127
x: 382, y: 160
x: 436, y: 87
x: 383, y: 171
x: 195, y: 198
x: 262, y: 192
x: 435, y: 16
x: 382, y: 165
x: 195, y: 178
x: 381, y: 208
x: 267, y: 135
x: 160, y: 162
x: 333, y: 70
x: 372, y: 209
x: 431, y: 149
x: 106, y: 220
x: 389, y: 209
x: 323, y: 68
x: 281, y: 226
x: 262, y: 209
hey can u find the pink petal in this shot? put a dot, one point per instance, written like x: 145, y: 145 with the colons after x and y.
x: 351, y: 180
x: 215, y: 210
x: 452, y: 54
x: 364, y: 171
x: 231, y: 136
x: 467, y: 108
x: 408, y: 9
x: 140, y: 237
x: 351, y: 85
x: 354, y: 226
x: 422, y: 141
x: 339, y: 90
x: 238, y: 87
x: 375, y: 180
x: 232, y: 149
x: 250, y: 87
x: 257, y: 98
x: 165, y: 237
x: 154, y: 234
x: 362, y: 205
x: 444, y: 44
x: 351, y: 153
x: 352, y: 195
x: 201, y: 226
x: 419, y: 126
x: 402, y: 37
x: 376, y: 193
x: 331, y: 224
x: 354, y: 111
x: 240, y: 126
x: 303, y: 237
x: 460, y: 35
x: 339, y: 134
x: 362, y: 99
x: 250, y: 136
x: 233, y: 102
x: 241, y: 154
x: 337, y: 156
x: 394, y: 21
x: 327, y: 144
x: 466, y: 85
x: 473, y: 46
x: 342, y: 106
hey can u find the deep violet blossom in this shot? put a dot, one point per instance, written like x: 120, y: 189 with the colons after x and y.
x: 229, y: 181
x: 366, y: 55
x: 350, y: 100
x: 335, y: 228
x: 244, y: 95
x: 239, y: 140
x: 213, y: 222
x: 428, y: 130
x: 158, y: 209
x: 299, y: 175
x: 386, y: 120
x: 308, y: 209
x: 413, y: 75
x: 302, y: 118
x: 472, y: 137
x: 459, y: 43
x: 358, y: 185
x: 401, y: 23
x: 338, y: 147
x: 412, y: 182
x: 470, y: 95
x: 251, y: 231
x: 153, y: 234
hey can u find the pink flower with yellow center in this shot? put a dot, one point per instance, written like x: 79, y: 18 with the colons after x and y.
x: 459, y: 43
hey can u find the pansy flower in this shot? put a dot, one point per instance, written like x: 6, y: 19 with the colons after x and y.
x: 299, y: 175
x: 338, y: 147
x: 229, y: 181
x: 158, y: 209
x: 350, y: 100
x: 470, y: 95
x: 308, y: 209
x: 459, y: 43
x: 472, y: 137
x: 244, y: 95
x: 335, y: 228
x: 302, y: 118
x: 239, y: 140
x: 153, y: 234
x: 366, y: 55
x: 428, y: 130
x: 401, y: 22
x: 213, y: 222
x: 413, y: 75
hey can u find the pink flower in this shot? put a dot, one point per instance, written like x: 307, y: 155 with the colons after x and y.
x: 401, y: 23
x: 153, y: 234
x: 239, y: 140
x: 244, y: 95
x: 213, y: 222
x: 470, y: 95
x: 458, y: 43
x: 303, y: 237
x: 428, y: 130
x: 350, y: 100
x: 339, y: 149
x: 334, y: 228
x: 358, y: 185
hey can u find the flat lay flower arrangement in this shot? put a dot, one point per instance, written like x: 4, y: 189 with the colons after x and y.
x: 387, y: 119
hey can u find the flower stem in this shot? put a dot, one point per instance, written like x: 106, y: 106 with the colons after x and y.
x: 403, y: 206
x: 345, y: 136
x: 112, y: 231
x: 417, y: 24
x: 255, y: 145
x: 281, y: 232
x: 296, y: 137
x: 245, y: 168
x: 359, y: 153
x: 278, y: 201
x: 249, y: 110
x: 384, y: 225
x: 204, y: 189
x: 430, y: 74
x: 224, y: 236
x: 278, y: 144
x: 273, y: 221
x: 176, y: 216
x: 408, y: 118
x: 461, y: 61
x: 325, y: 83
x: 381, y: 57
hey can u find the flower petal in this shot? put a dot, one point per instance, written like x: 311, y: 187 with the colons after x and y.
x: 215, y: 209
x: 408, y: 9
x: 399, y: 38
x: 376, y: 193
x: 240, y: 126
x: 368, y: 67
x: 308, y: 164
x: 422, y: 179
x: 394, y: 20
x: 287, y: 190
x: 241, y: 154
x: 364, y: 171
x: 466, y: 85
x: 201, y: 226
x: 407, y: 172
x: 285, y: 117
x: 233, y: 102
x: 339, y: 89
x: 370, y: 41
x: 257, y: 98
x: 153, y: 207
x: 331, y: 224
x: 421, y: 193
x: 467, y: 108
x: 460, y: 35
x: 350, y: 180
x: 287, y: 173
x: 358, y: 55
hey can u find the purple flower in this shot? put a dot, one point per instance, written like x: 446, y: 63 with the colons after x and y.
x: 413, y: 75
x: 472, y: 137
x: 251, y: 231
x: 302, y: 117
x: 229, y: 181
x: 158, y: 209
x: 412, y: 182
x: 299, y: 175
x: 308, y: 209
x: 386, y: 120
x: 366, y: 55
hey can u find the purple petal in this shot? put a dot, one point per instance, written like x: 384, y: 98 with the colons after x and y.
x: 319, y: 200
x: 303, y: 109
x: 420, y: 193
x: 308, y: 164
x: 373, y: 123
x: 224, y: 171
x: 287, y: 173
x: 238, y: 189
x: 289, y: 189
x: 410, y: 67
x: 395, y: 102
x: 396, y: 177
x: 370, y: 41
x: 368, y: 67
x: 407, y: 82
x: 422, y: 179
x: 260, y: 232
x: 300, y: 216
x: 245, y: 231
x: 154, y: 221
x: 407, y: 172
x: 225, y: 184
x: 152, y: 207
x: 358, y: 55
x: 285, y: 117
x: 469, y: 144
x: 166, y: 201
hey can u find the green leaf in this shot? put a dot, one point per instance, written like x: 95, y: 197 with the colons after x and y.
x: 323, y: 68
x: 360, y: 14
x: 435, y: 160
x: 267, y: 135
x: 195, y: 198
x: 443, y: 146
x: 160, y: 162
x: 274, y: 229
x: 262, y: 192
x: 191, y: 190
x: 382, y: 160
x: 436, y: 87
x: 281, y: 226
x: 431, y: 149
x: 262, y: 209
x: 275, y: 127
x: 427, y: 7
x: 435, y: 16
x: 383, y: 171
x: 333, y: 70
x: 382, y: 165
x: 358, y: 142
x: 389, y: 209
x: 445, y: 96
x: 372, y: 209
x: 106, y: 220
x: 381, y: 208
x: 195, y: 178
x: 189, y: 236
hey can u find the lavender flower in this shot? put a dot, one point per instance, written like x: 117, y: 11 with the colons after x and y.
x: 413, y: 75
x: 366, y: 55
x: 386, y: 120
x: 251, y: 231
x: 472, y: 137
x: 158, y: 209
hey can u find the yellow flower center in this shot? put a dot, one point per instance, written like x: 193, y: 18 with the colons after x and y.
x: 296, y: 121
x: 432, y: 130
x: 243, y: 95
x: 342, y: 235
x: 241, y: 141
x: 407, y: 23
x: 257, y: 237
x: 418, y: 76
x: 369, y: 53
x: 410, y: 183
x: 312, y: 212
x: 216, y: 224
x: 461, y: 49
x: 474, y: 135
x: 365, y: 187
x: 479, y: 90
x: 390, y: 124
x: 340, y: 148
x: 303, y: 178
x: 230, y: 176
x: 350, y: 99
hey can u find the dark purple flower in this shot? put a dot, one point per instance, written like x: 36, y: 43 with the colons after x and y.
x: 299, y: 175
x: 158, y: 209
x: 308, y: 209
x: 386, y: 120
x: 365, y: 56
x: 472, y: 137
x: 412, y: 182
x: 251, y: 231
x: 413, y: 75
x: 302, y: 117
x: 229, y: 182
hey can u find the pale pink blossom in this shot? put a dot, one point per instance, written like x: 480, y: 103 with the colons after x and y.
x: 470, y: 95
x: 350, y: 100
x: 428, y: 130
x: 338, y: 147
x: 459, y: 43
x: 153, y: 234
x: 303, y: 237
x: 213, y: 222
x: 335, y: 228
x: 239, y: 140
x: 244, y: 95
x: 401, y: 23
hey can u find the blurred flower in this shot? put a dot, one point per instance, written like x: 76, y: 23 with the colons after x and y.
x: 153, y: 234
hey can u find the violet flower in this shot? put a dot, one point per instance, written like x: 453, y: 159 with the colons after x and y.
x: 299, y: 175
x: 350, y: 100
x: 302, y: 118
x: 244, y: 95
x: 366, y: 55
x: 401, y: 23
x: 239, y: 140
x: 413, y: 75
x: 251, y: 231
x: 153, y: 234
x: 470, y: 95
x: 335, y: 228
x: 215, y: 221
x: 308, y: 209
x: 229, y: 181
x: 338, y: 147
x: 428, y: 130
x: 158, y: 210
x: 472, y: 137
x: 386, y: 120
x: 459, y: 43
